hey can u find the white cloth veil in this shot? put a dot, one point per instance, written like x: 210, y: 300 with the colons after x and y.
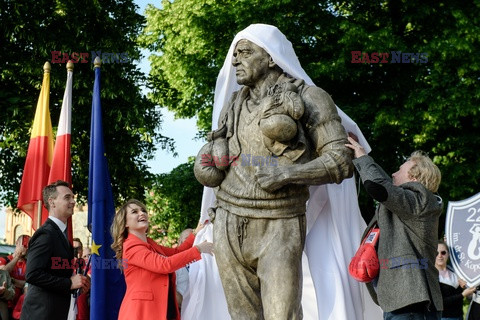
x: 334, y: 222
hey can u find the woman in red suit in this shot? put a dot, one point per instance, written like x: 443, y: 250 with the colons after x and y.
x: 148, y: 267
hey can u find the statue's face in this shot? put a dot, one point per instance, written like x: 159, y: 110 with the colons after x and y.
x: 251, y: 63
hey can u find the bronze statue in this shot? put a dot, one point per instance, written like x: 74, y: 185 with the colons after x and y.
x: 275, y: 137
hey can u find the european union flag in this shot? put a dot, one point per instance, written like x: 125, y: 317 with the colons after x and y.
x: 108, y: 283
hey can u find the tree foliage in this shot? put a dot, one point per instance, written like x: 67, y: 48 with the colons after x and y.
x: 174, y: 203
x: 29, y: 32
x: 400, y: 107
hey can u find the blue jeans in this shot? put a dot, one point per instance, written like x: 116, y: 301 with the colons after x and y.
x: 431, y: 315
x: 452, y: 318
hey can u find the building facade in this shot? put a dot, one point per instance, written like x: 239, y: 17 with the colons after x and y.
x: 18, y: 223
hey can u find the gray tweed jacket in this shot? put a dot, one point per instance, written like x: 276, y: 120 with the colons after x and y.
x: 407, y: 216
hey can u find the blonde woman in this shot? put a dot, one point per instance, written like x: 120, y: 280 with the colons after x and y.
x: 148, y: 267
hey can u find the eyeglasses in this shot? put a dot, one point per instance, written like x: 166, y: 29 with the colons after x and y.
x: 443, y: 252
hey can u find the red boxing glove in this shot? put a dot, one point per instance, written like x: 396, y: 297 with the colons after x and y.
x: 364, y: 265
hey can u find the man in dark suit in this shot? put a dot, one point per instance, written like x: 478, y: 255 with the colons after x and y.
x: 407, y: 286
x: 49, y: 260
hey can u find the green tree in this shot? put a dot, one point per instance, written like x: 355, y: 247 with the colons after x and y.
x: 174, y: 203
x: 29, y: 32
x: 400, y: 107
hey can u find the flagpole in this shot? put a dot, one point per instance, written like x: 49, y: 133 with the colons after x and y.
x: 46, y: 69
x: 108, y: 284
x: 39, y: 213
x: 68, y: 173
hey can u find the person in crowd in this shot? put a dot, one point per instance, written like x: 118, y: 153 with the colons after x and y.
x: 17, y: 268
x: 86, y: 253
x: 83, y: 309
x: 7, y: 292
x: 77, y: 248
x: 474, y: 308
x: 148, y: 267
x: 4, y: 260
x: 182, y: 273
x: 17, y: 311
x: 50, y: 283
x: 408, y: 214
x: 276, y: 136
x: 453, y: 289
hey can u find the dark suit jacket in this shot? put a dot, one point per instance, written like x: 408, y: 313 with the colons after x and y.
x: 48, y: 274
x: 408, y: 220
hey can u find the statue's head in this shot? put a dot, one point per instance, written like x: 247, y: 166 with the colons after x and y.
x: 252, y: 63
x: 274, y: 43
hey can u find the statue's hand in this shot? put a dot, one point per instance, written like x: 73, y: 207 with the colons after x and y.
x: 270, y: 178
x: 205, y: 169
x: 269, y: 108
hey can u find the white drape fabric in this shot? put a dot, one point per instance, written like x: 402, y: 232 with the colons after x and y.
x: 334, y: 222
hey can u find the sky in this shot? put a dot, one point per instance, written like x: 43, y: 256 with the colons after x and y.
x: 182, y: 131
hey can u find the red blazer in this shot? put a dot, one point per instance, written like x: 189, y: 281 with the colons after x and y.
x: 18, y: 307
x: 147, y: 267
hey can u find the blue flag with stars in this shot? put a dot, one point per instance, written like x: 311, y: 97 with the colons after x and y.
x: 108, y: 283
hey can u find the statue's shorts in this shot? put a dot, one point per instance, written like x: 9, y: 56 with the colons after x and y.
x: 260, y: 265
